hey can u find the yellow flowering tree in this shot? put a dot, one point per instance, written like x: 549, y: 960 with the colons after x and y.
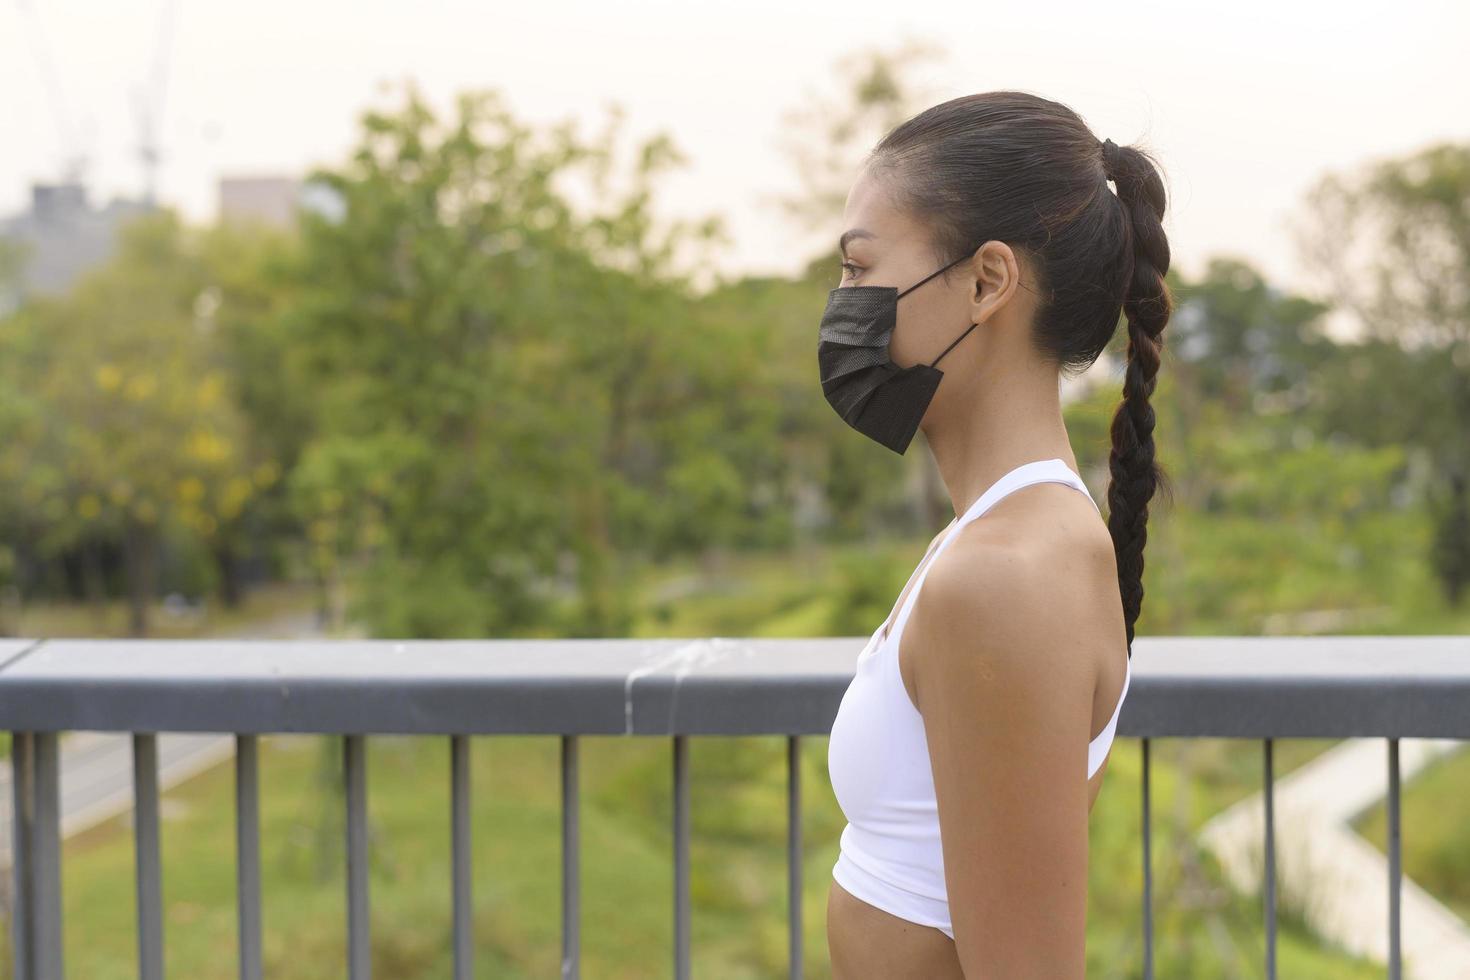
x: 122, y: 423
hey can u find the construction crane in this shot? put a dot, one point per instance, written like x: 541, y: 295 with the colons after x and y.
x: 74, y: 158
x: 148, y: 99
x: 148, y: 103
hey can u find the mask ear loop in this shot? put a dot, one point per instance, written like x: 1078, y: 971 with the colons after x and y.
x: 951, y: 346
x: 931, y: 276
x: 926, y: 279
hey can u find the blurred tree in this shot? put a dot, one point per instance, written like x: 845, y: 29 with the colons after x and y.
x: 240, y: 307
x: 512, y: 396
x: 1243, y: 338
x: 22, y: 425
x: 120, y: 419
x: 1394, y: 243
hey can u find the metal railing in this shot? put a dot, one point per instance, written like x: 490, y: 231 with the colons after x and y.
x: 1250, y: 688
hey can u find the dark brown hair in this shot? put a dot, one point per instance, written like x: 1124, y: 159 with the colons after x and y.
x: 1015, y: 167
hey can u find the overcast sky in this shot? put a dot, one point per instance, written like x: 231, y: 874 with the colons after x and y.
x: 1245, y: 104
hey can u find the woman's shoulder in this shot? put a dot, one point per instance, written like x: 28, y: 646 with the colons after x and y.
x: 1033, y: 578
x: 1047, y: 528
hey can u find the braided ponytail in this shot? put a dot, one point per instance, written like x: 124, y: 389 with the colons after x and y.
x: 1147, y: 303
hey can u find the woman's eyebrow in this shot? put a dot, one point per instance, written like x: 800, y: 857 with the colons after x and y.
x: 850, y: 234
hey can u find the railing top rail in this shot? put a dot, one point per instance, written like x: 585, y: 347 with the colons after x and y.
x: 1225, y: 686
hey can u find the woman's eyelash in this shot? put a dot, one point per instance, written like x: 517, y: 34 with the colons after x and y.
x: 849, y: 268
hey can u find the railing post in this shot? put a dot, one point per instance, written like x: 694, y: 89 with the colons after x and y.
x: 571, y: 880
x: 1395, y: 875
x: 1148, y: 873
x: 36, y: 856
x: 247, y: 854
x: 147, y: 871
x: 46, y: 846
x: 793, y: 851
x: 1270, y: 869
x: 681, y: 857
x: 354, y: 764
x: 22, y: 814
x: 461, y: 856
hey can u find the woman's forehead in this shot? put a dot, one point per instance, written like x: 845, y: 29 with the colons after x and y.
x: 871, y: 215
x: 867, y: 204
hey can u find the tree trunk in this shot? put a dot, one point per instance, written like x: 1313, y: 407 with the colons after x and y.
x: 1451, y: 549
x: 1452, y: 540
x: 227, y: 562
x: 94, y: 585
x: 140, y: 548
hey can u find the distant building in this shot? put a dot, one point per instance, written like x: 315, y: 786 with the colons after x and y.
x: 61, y: 237
x: 271, y: 200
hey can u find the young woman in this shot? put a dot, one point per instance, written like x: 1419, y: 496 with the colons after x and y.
x: 970, y: 745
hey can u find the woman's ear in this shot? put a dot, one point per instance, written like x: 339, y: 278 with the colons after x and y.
x: 997, y: 271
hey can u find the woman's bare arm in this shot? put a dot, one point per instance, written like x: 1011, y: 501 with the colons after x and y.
x: 1005, y: 690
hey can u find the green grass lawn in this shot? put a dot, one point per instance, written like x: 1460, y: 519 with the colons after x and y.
x: 738, y: 882
x: 737, y: 859
x: 110, y: 618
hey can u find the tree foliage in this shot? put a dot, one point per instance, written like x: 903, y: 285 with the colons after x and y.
x: 1393, y: 241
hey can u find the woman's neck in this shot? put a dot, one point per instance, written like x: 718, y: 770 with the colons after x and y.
x: 997, y: 428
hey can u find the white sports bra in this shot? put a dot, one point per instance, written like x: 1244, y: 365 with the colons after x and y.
x: 878, y: 758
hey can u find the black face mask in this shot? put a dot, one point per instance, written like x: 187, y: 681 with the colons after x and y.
x: 861, y: 382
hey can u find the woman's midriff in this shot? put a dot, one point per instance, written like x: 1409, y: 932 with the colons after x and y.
x: 867, y: 943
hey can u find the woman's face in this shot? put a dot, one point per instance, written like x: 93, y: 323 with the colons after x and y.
x: 883, y: 246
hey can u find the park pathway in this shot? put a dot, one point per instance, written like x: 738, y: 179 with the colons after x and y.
x: 1326, y: 869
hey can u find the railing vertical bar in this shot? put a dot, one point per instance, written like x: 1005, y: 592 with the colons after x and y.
x: 1270, y: 873
x: 1395, y: 878
x: 147, y: 873
x: 793, y: 851
x: 460, y: 857
x: 571, y: 879
x: 359, y: 964
x: 1148, y: 873
x: 22, y: 825
x: 681, y: 857
x: 45, y: 867
x: 247, y: 854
